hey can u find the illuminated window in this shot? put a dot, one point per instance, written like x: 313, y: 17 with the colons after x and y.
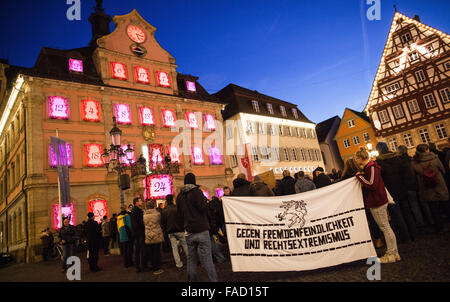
x: 158, y: 186
x: 190, y: 86
x: 118, y: 70
x: 215, y: 156
x: 210, y: 123
x: 58, y: 108
x: 156, y: 155
x: 163, y: 79
x: 445, y: 94
x: 191, y: 119
x: 141, y: 74
x: 146, y: 116
x: 429, y: 101
x: 122, y: 113
x: 91, y: 111
x: 413, y: 106
x: 52, y: 157
x: 100, y: 208
x: 66, y: 212
x: 75, y: 65
x: 197, y: 156
x: 168, y: 118
x: 174, y: 154
x: 93, y: 155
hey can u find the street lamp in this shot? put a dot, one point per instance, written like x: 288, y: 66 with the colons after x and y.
x: 119, y: 160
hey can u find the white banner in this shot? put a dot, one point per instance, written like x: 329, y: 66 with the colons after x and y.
x: 306, y: 231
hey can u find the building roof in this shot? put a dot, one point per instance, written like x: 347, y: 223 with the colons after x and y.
x: 360, y: 114
x: 239, y: 101
x: 323, y: 128
x: 200, y: 92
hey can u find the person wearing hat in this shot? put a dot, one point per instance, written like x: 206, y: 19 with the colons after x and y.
x: 93, y: 235
x: 261, y: 189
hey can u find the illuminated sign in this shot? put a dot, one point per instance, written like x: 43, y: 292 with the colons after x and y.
x: 122, y: 113
x: 215, y: 156
x: 156, y: 155
x: 168, y: 117
x: 210, y: 122
x: 100, y: 208
x: 191, y: 120
x: 53, y: 161
x: 66, y: 212
x: 159, y: 186
x: 119, y: 71
x: 58, y: 108
x: 91, y: 111
x: 141, y: 75
x: 93, y: 153
x: 75, y: 65
x: 174, y: 154
x: 190, y: 86
x: 197, y: 156
x: 163, y: 79
x: 146, y: 116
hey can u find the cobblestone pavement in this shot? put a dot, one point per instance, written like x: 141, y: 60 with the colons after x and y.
x: 425, y: 260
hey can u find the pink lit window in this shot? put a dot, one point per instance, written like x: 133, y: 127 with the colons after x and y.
x: 58, y: 108
x: 220, y: 193
x: 210, y: 122
x: 122, y: 113
x: 52, y: 160
x: 215, y: 156
x: 66, y: 212
x: 206, y: 194
x: 174, y: 154
x: 75, y: 65
x: 146, y: 116
x: 163, y: 78
x: 91, y: 111
x: 197, y: 156
x: 168, y: 117
x: 159, y: 186
x: 141, y: 74
x: 99, y: 208
x: 118, y: 70
x: 191, y: 118
x: 190, y: 86
x: 93, y: 153
x: 125, y: 147
x: 156, y: 155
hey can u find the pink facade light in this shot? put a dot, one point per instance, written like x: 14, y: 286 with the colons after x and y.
x: 159, y: 186
x: 168, y: 118
x: 190, y: 86
x: 52, y: 159
x: 58, y: 108
x: 215, y: 156
x: 122, y: 113
x: 146, y: 116
x: 100, y: 208
x: 163, y: 79
x: 141, y: 74
x: 66, y: 212
x: 191, y: 119
x: 197, y: 156
x: 91, y: 111
x: 210, y: 122
x: 75, y: 65
x: 118, y: 71
x: 93, y: 155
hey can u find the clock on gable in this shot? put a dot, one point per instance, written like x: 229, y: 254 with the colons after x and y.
x: 135, y: 33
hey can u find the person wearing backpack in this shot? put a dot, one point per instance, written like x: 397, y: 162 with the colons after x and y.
x: 432, y: 188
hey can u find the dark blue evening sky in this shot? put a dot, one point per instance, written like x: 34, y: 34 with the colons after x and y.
x: 320, y: 55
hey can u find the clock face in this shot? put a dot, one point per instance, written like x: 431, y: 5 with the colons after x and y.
x: 135, y: 33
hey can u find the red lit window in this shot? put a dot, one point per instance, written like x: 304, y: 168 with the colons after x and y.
x: 215, y: 156
x: 168, y: 118
x: 191, y: 119
x: 146, y: 116
x: 93, y: 155
x: 99, y: 208
x: 156, y: 155
x: 122, y: 113
x: 66, y: 212
x: 91, y: 111
x: 163, y: 78
x: 210, y: 123
x: 76, y: 65
x: 158, y: 186
x: 58, y: 108
x: 197, y: 156
x: 119, y: 70
x: 141, y: 74
x: 190, y: 86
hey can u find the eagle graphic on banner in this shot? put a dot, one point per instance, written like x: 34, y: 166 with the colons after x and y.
x: 296, y: 210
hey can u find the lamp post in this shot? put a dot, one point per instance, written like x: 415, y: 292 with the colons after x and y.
x: 119, y: 160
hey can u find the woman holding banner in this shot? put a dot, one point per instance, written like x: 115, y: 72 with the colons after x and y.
x: 375, y: 198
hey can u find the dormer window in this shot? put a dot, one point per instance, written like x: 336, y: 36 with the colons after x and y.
x: 255, y: 105
x: 294, y: 112
x: 270, y: 108
x: 190, y: 86
x: 351, y: 123
x: 406, y: 38
x: 283, y: 111
x: 392, y: 88
x: 76, y: 65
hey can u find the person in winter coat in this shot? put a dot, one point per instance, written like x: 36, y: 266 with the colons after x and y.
x: 375, y: 198
x: 242, y: 187
x: 94, y: 238
x: 214, y: 219
x: 286, y: 186
x: 172, y: 224
x: 47, y: 243
x: 193, y: 208
x: 106, y: 234
x: 320, y: 179
x: 303, y: 184
x: 113, y: 230
x: 124, y: 229
x: 137, y: 223
x: 411, y: 186
x: 67, y: 237
x: 350, y: 169
x: 401, y: 214
x: 153, y: 237
x: 429, y: 172
x: 260, y: 188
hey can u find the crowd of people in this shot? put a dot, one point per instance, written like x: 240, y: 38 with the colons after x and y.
x: 400, y: 195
